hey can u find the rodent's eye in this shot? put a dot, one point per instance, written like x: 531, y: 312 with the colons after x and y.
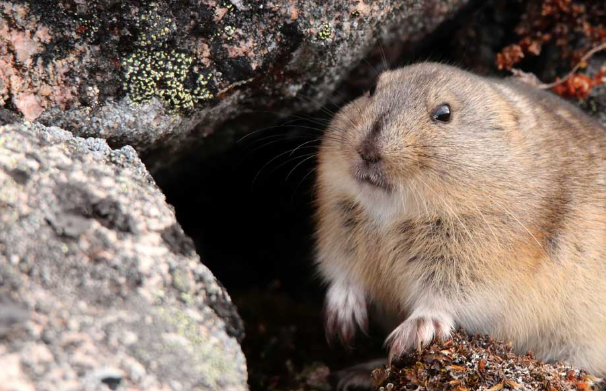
x: 441, y: 113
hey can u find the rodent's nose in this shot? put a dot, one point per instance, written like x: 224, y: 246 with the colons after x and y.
x: 369, y: 152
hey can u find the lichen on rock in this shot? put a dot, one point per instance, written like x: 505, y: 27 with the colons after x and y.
x: 155, y: 70
x: 161, y: 76
x: 168, y: 75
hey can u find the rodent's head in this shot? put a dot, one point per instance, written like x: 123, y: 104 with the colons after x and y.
x: 427, y: 133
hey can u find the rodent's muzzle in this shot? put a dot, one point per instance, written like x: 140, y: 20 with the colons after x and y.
x: 371, y: 173
x: 369, y: 167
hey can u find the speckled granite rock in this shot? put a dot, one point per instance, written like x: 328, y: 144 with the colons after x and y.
x: 99, y: 287
x: 159, y: 74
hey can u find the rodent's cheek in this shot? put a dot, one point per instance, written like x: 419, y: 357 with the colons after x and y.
x: 335, y: 174
x: 399, y: 160
x: 338, y: 137
x: 333, y: 162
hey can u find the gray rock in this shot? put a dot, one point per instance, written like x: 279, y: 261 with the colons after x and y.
x: 595, y: 104
x: 100, y: 289
x: 162, y: 75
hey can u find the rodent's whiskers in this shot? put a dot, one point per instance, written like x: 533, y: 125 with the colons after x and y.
x: 292, y: 159
x: 322, y: 123
x: 383, y: 56
x: 310, y: 156
x: 276, y: 139
x: 423, y: 200
x: 331, y: 113
x: 377, y: 73
x: 288, y: 124
x: 322, y: 107
x: 490, y: 227
x: 313, y: 170
x: 504, y: 209
x: 269, y: 162
x: 288, y: 136
x: 302, y: 145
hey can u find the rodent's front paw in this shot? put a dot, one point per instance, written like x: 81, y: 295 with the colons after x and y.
x: 418, y: 331
x: 345, y: 308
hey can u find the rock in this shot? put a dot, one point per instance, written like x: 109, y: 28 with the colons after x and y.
x: 99, y: 287
x: 595, y: 104
x: 161, y: 75
x: 480, y: 363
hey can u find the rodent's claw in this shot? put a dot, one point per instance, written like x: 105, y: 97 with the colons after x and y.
x: 345, y: 331
x: 345, y: 311
x: 417, y: 332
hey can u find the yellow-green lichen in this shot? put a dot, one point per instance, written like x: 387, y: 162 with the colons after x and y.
x: 229, y: 6
x: 164, y: 75
x: 229, y: 31
x: 325, y: 31
x: 154, y: 70
x: 208, y: 354
x: 182, y: 281
x: 155, y: 25
x: 88, y: 25
x: 186, y: 298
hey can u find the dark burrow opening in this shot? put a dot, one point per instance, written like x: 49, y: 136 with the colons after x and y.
x: 250, y: 211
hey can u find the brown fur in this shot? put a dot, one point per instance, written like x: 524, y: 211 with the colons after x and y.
x: 496, y: 220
